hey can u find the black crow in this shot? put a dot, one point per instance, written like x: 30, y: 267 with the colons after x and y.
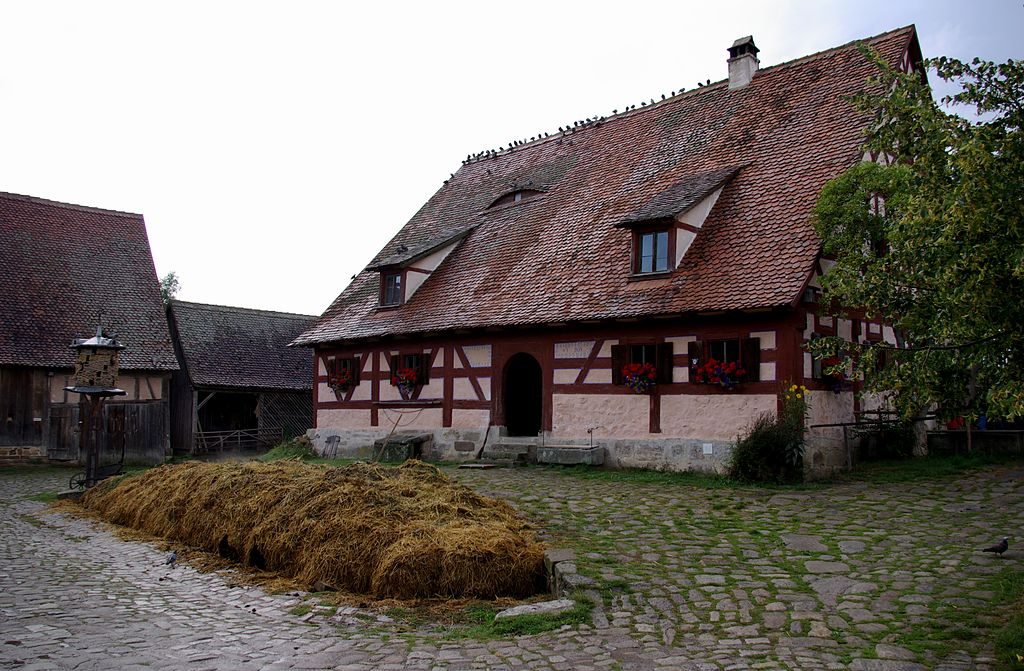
x: 1000, y: 547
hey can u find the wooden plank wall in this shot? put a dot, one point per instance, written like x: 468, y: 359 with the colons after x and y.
x: 23, y: 405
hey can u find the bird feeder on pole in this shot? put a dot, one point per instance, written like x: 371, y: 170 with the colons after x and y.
x: 95, y: 378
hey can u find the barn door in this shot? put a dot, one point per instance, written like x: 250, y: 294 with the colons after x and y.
x: 63, y: 437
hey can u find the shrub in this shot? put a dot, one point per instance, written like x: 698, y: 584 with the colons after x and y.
x: 773, y: 448
x: 300, y: 449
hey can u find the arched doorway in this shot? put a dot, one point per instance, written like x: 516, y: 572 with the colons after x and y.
x: 523, y: 395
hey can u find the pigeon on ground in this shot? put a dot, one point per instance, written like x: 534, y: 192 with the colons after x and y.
x: 172, y: 558
x: 1000, y: 547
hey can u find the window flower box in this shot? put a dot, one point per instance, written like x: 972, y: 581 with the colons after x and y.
x: 406, y: 380
x: 727, y: 374
x: 640, y: 377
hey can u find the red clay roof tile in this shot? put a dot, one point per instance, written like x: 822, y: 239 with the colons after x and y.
x: 559, y: 257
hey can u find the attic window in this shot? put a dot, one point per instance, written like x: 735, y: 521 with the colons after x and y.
x: 515, y: 197
x: 652, y: 250
x: 390, y: 289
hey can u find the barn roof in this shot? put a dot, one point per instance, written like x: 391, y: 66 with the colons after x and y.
x: 65, y: 268
x: 241, y: 348
x: 563, y: 255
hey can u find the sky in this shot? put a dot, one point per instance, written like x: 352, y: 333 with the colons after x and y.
x: 274, y: 148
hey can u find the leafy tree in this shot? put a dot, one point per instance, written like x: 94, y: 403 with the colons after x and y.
x: 169, y: 286
x: 943, y: 260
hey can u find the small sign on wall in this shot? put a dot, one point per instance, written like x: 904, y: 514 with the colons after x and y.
x: 709, y: 448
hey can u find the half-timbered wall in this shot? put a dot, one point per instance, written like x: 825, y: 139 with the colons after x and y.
x: 462, y: 400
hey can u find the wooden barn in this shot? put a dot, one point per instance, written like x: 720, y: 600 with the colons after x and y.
x: 632, y: 289
x: 239, y: 386
x: 65, y: 270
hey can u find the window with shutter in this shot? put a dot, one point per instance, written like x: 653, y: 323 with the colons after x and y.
x: 695, y: 351
x: 658, y: 355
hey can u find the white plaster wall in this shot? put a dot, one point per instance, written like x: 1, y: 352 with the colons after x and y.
x: 696, y: 215
x: 128, y: 382
x: 712, y: 417
x: 606, y: 349
x: 599, y: 376
x: 389, y: 392
x: 844, y: 329
x: 767, y: 339
x: 579, y: 349
x: 343, y: 419
x: 684, y: 239
x: 320, y: 366
x: 439, y: 361
x: 566, y: 375
x: 479, y: 356
x: 462, y: 389
x: 888, y: 335
x: 680, y: 345
x: 808, y: 365
x: 362, y: 392
x: 825, y: 320
x: 325, y: 393
x: 470, y: 419
x: 874, y: 327
x: 412, y: 418
x: 825, y: 407
x: 825, y: 449
x: 414, y: 280
x: 618, y: 415
x: 681, y: 374
x: 767, y: 372
x: 485, y: 386
x: 433, y: 389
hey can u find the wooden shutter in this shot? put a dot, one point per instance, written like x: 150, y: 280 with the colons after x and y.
x: 695, y: 351
x: 750, y: 356
x: 424, y: 368
x: 395, y: 365
x: 618, y: 361
x: 663, y: 354
x: 356, y: 365
x: 331, y: 364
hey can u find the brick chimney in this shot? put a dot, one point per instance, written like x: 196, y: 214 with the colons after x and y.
x: 742, y: 62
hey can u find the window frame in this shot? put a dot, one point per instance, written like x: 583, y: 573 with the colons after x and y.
x: 749, y: 357
x: 663, y: 361
x: 400, y: 277
x: 637, y: 252
x: 337, y: 363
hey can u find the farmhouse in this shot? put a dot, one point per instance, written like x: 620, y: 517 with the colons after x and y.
x: 65, y: 270
x: 239, y: 385
x: 642, y: 283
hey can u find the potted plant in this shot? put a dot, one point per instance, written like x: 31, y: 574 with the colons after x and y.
x: 727, y: 374
x: 340, y: 380
x: 640, y: 377
x: 405, y: 379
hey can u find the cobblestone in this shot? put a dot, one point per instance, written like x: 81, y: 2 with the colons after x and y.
x: 685, y: 578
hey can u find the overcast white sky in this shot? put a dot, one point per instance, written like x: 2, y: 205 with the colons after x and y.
x: 275, y: 147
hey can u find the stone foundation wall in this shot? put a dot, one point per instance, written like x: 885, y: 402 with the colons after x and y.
x: 19, y: 455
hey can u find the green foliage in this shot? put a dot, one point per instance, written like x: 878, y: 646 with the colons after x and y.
x: 888, y: 440
x: 773, y: 448
x: 487, y: 627
x: 1009, y: 640
x: 943, y: 261
x: 297, y: 448
x: 170, y: 284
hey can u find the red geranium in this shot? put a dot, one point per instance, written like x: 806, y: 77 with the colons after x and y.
x: 726, y: 373
x: 405, y: 379
x: 639, y: 377
x: 342, y: 378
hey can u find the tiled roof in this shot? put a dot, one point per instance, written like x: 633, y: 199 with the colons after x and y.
x: 241, y: 348
x: 681, y: 196
x: 559, y: 257
x: 64, y: 267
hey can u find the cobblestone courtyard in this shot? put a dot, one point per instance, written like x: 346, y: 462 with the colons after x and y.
x: 852, y: 576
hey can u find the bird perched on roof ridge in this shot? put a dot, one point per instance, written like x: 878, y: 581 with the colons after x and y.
x: 1000, y: 547
x: 172, y: 559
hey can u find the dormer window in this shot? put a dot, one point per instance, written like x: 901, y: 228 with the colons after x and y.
x: 515, y: 197
x: 390, y: 289
x: 652, y: 251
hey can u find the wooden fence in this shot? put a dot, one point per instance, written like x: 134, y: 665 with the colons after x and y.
x: 245, y: 439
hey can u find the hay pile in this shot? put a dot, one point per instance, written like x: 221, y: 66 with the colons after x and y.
x: 402, y: 533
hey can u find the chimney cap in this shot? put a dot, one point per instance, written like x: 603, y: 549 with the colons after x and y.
x: 743, y: 45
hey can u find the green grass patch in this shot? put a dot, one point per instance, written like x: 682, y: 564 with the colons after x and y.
x: 683, y: 478
x: 923, y: 468
x: 1009, y: 640
x: 300, y: 450
x: 43, y: 497
x: 301, y: 609
x: 487, y: 628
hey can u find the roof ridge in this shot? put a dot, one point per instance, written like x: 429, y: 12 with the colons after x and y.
x: 558, y: 135
x: 69, y: 206
x: 235, y: 308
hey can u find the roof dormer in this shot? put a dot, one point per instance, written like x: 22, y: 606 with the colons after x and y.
x: 404, y: 271
x: 665, y: 227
